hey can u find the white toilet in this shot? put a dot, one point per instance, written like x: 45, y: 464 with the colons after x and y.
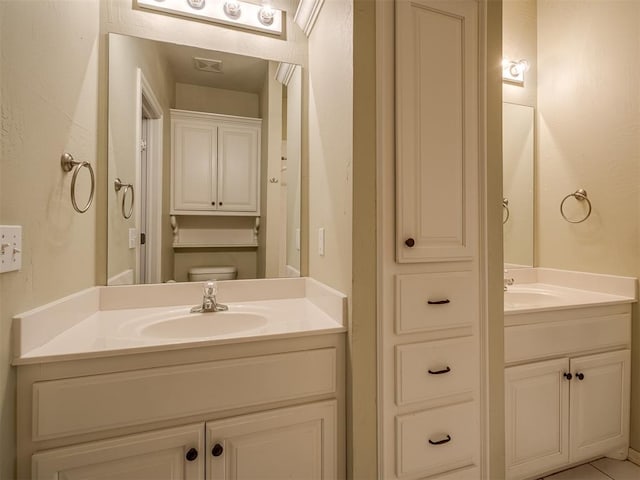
x: 221, y: 272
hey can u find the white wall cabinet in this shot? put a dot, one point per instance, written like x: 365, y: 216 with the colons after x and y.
x: 215, y: 166
x: 564, y: 411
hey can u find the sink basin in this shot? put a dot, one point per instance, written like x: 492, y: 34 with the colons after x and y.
x: 516, y: 297
x: 198, y: 325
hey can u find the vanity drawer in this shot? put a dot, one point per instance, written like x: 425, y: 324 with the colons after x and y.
x: 434, y: 301
x: 544, y: 340
x: 429, y: 370
x: 436, y: 441
x: 100, y: 402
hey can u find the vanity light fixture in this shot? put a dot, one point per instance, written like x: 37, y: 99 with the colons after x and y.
x: 513, y: 72
x: 262, y: 18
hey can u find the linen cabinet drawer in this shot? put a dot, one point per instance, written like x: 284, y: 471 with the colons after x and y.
x: 429, y: 370
x: 434, y: 301
x: 101, y: 402
x: 436, y: 441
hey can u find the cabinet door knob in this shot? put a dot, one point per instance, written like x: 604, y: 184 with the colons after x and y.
x: 217, y: 450
x: 580, y: 376
x: 213, y: 203
x: 447, y: 439
x: 568, y: 376
x: 409, y: 242
x: 192, y: 454
x: 220, y: 203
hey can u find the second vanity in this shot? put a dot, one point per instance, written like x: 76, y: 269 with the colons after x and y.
x: 567, y: 341
x: 123, y: 382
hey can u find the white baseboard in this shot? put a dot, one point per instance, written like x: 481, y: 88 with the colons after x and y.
x: 634, y: 456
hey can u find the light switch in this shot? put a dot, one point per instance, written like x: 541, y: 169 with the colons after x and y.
x: 133, y: 237
x: 10, y: 248
x: 321, y: 242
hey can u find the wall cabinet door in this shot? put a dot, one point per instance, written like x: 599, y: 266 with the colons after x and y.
x: 436, y: 130
x: 238, y: 189
x: 195, y: 166
x: 536, y: 417
x: 600, y: 397
x: 171, y: 454
x: 297, y: 443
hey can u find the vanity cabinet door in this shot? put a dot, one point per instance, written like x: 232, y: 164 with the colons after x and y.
x: 436, y: 130
x: 171, y: 454
x: 195, y: 166
x: 536, y: 417
x: 600, y: 393
x: 238, y: 168
x: 296, y: 443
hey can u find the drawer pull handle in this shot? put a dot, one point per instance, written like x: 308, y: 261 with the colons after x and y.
x: 568, y: 376
x: 439, y: 372
x: 580, y: 376
x: 447, y: 439
x: 192, y: 454
x: 409, y: 242
x: 217, y: 450
x: 438, y: 302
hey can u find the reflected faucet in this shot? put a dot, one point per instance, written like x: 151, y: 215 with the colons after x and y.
x: 209, y: 302
x: 507, y: 281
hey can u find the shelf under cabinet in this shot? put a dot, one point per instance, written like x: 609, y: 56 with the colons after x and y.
x: 210, y: 245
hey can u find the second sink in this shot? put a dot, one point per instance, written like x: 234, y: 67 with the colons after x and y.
x: 195, y: 325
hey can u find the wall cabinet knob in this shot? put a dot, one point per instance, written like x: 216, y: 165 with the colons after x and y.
x: 568, y: 376
x: 192, y: 454
x: 409, y: 242
x: 217, y: 450
x: 213, y: 203
x: 580, y: 376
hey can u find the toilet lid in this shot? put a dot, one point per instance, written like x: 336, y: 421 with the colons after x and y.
x: 213, y: 269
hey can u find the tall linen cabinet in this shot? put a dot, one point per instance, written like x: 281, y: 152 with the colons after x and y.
x: 431, y: 162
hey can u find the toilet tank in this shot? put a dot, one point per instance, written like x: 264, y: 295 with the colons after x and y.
x: 221, y: 272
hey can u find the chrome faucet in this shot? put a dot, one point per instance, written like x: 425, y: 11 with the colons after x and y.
x: 209, y: 302
x: 507, y: 281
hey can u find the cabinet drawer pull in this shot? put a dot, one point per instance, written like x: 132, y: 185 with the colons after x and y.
x: 568, y: 376
x: 438, y: 302
x: 192, y: 454
x: 447, y: 439
x: 439, y: 372
x: 409, y: 242
x: 580, y: 376
x: 217, y: 450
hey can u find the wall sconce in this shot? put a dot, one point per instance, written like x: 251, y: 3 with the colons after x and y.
x: 261, y: 18
x: 513, y: 72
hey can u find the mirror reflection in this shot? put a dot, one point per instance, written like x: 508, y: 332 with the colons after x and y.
x: 517, y: 188
x: 204, y: 164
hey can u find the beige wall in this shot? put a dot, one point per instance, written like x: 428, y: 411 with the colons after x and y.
x: 217, y: 100
x: 126, y: 55
x: 589, y: 108
x: 293, y: 134
x: 519, y: 41
x: 331, y: 144
x: 49, y: 88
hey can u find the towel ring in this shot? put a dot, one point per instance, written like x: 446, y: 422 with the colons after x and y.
x: 118, y: 184
x: 505, y: 208
x: 68, y: 163
x: 579, y: 195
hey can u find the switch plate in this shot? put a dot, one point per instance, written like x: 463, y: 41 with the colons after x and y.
x: 321, y: 242
x: 10, y: 248
x: 133, y: 237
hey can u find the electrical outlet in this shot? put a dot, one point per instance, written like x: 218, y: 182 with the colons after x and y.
x: 10, y: 248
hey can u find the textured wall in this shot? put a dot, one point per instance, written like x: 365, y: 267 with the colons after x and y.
x: 49, y: 88
x: 217, y: 100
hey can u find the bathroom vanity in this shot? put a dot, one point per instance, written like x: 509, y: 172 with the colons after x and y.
x: 567, y: 378
x: 124, y: 382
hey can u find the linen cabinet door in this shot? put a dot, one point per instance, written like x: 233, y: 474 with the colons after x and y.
x: 436, y: 130
x: 194, y: 165
x: 171, y: 454
x: 600, y: 393
x: 536, y: 417
x: 297, y: 443
x: 238, y: 168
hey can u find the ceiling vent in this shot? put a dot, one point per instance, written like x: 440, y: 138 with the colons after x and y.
x: 208, y: 64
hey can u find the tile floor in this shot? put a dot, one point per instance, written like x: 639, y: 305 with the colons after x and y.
x: 603, y: 469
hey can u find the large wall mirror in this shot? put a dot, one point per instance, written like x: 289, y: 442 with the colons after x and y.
x: 148, y: 242
x: 518, y: 184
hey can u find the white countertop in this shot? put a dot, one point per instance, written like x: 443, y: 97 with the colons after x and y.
x: 109, y: 321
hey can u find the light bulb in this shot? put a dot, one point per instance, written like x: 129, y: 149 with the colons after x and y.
x: 197, y: 4
x: 266, y: 15
x: 232, y: 9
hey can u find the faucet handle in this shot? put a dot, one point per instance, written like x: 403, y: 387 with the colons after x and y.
x: 210, y: 288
